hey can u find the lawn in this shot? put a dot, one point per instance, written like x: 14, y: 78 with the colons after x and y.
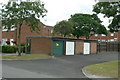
x: 109, y: 69
x: 26, y: 56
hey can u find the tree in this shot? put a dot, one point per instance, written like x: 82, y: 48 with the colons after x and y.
x: 110, y: 9
x: 86, y: 25
x: 15, y: 13
x: 63, y: 28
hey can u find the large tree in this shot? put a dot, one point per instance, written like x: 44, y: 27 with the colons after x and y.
x: 86, y: 25
x: 110, y: 9
x: 15, y: 13
x: 63, y: 28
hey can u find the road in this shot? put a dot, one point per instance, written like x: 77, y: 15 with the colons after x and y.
x: 58, y: 67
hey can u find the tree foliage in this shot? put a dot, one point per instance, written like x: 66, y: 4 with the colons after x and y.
x: 15, y: 13
x: 110, y: 9
x: 86, y: 25
x: 63, y: 28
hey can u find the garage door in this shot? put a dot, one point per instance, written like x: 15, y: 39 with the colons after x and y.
x: 58, y: 48
x: 69, y: 48
x: 28, y: 45
x: 86, y: 48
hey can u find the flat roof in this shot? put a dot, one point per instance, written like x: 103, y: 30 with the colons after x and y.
x: 61, y: 38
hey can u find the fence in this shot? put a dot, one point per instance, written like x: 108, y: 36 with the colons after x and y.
x: 108, y: 47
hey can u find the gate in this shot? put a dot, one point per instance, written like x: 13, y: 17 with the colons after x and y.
x: 108, y: 47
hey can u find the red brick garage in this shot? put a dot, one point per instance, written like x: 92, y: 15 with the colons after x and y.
x: 49, y: 45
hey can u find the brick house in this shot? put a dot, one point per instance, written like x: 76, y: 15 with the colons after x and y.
x: 111, y: 37
x: 11, y: 35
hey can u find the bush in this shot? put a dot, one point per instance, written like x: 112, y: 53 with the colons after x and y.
x: 9, y: 49
x: 23, y: 47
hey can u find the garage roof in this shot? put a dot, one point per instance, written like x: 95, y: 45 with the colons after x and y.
x: 62, y: 38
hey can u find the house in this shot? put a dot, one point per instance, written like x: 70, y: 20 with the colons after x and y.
x: 10, y: 37
x: 110, y: 37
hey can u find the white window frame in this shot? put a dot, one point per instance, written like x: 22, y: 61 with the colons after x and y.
x: 112, y: 40
x: 103, y: 35
x: 4, y: 42
x: 4, y: 29
x: 96, y: 35
x: 112, y: 34
x: 11, y: 43
x: 103, y: 40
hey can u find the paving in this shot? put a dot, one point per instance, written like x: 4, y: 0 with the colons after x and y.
x: 58, y: 67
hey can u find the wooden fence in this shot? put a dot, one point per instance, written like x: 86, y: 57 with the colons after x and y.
x: 108, y: 47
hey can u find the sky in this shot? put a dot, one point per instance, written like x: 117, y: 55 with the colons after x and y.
x: 59, y: 10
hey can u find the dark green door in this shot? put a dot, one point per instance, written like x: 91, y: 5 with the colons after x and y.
x: 58, y: 48
x: 28, y: 46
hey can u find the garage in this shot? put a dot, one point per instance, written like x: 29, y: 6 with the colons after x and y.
x: 86, y: 48
x: 56, y: 46
x: 70, y: 48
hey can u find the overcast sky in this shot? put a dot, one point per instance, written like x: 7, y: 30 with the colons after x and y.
x: 59, y: 10
x: 62, y: 9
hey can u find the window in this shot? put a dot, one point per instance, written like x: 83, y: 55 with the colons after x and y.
x: 112, y: 40
x: 99, y: 40
x: 11, y: 42
x: 44, y: 26
x: 103, y: 40
x: 103, y: 35
x: 51, y: 31
x: 3, y: 28
x: 4, y: 42
x: 112, y: 34
x: 96, y: 35
x: 12, y: 28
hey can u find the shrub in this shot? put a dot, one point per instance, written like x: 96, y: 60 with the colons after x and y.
x: 23, y: 47
x: 9, y: 49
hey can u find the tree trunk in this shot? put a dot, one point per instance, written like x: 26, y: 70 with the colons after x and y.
x: 87, y: 37
x: 19, y: 41
x: 77, y: 37
x: 64, y: 35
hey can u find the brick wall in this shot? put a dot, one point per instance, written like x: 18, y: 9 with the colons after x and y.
x: 9, y: 35
x: 25, y: 31
x: 93, y: 47
x: 41, y: 45
x: 108, y: 37
x: 79, y: 47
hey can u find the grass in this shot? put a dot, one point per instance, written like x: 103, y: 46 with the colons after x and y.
x: 109, y: 69
x: 26, y: 56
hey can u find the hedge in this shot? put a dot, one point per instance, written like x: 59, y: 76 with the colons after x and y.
x: 9, y: 49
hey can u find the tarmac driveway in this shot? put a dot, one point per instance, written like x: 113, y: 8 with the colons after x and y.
x: 58, y: 67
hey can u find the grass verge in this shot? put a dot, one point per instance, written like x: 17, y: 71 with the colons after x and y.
x: 26, y: 56
x: 109, y: 69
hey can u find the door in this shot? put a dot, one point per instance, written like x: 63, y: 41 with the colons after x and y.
x: 86, y: 48
x: 69, y: 48
x: 58, y: 48
x: 28, y: 46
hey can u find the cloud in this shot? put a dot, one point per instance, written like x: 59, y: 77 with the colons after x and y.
x: 59, y: 10
x: 62, y: 9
